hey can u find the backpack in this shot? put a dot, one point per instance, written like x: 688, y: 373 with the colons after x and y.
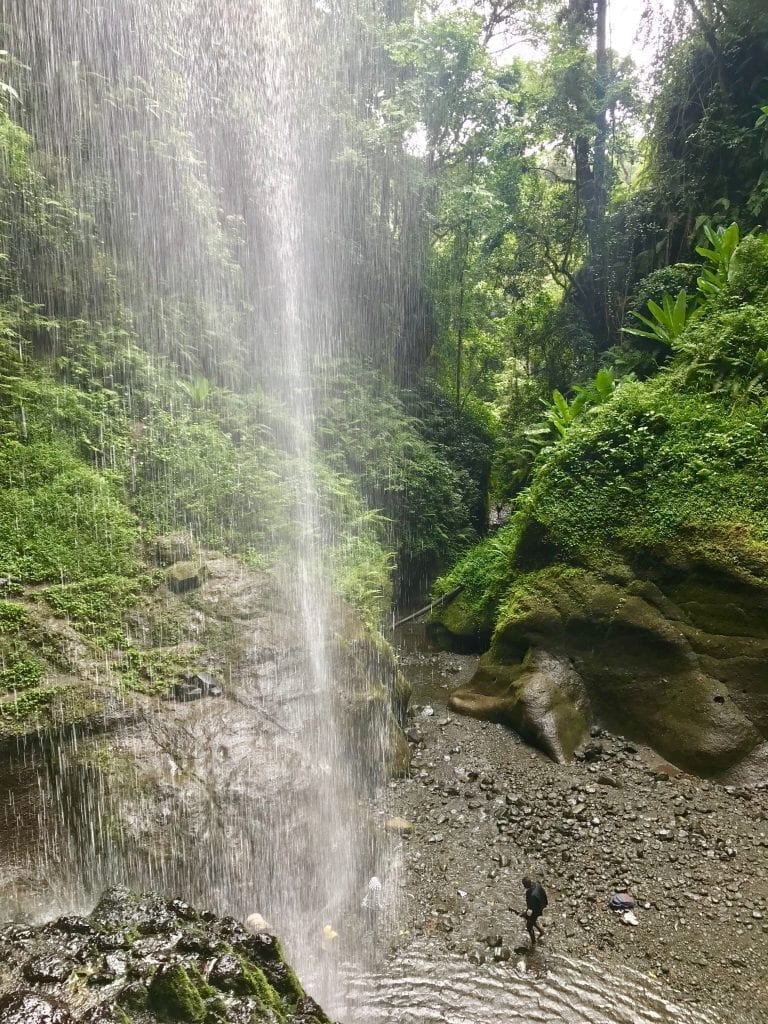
x: 621, y: 901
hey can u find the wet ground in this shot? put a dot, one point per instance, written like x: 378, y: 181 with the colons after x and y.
x: 485, y: 809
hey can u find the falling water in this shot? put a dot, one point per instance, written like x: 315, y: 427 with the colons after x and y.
x: 192, y: 133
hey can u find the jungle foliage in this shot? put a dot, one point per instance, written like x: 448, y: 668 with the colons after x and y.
x: 507, y: 268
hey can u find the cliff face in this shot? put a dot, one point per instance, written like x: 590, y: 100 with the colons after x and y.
x: 186, y: 751
x: 674, y: 653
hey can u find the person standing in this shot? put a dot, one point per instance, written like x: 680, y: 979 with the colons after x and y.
x: 535, y: 902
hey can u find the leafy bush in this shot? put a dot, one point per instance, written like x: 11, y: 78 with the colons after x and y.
x: 97, y: 606
x: 421, y: 487
x: 22, y: 674
x: 727, y: 352
x: 70, y: 528
x: 749, y: 269
x: 485, y: 572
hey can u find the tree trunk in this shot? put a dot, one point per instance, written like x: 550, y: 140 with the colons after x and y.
x: 598, y: 238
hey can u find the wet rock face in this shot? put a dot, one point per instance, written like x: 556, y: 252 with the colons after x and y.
x: 672, y: 651
x: 143, y: 959
x: 28, y: 1008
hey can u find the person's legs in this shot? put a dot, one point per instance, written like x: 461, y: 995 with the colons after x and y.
x: 531, y: 923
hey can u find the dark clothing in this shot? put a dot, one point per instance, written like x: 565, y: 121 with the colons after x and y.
x: 535, y: 900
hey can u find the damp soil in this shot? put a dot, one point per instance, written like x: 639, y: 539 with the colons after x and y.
x: 485, y: 809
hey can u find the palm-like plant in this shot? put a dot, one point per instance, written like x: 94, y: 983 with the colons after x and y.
x: 198, y: 389
x: 668, y: 319
x: 722, y: 245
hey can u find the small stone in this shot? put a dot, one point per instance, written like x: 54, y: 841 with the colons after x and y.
x: 400, y: 826
x: 608, y: 780
x: 256, y: 924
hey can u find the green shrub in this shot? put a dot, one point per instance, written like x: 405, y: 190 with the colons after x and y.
x: 21, y: 674
x: 97, y: 607
x: 749, y: 269
x: 12, y: 617
x: 69, y: 528
x: 154, y: 671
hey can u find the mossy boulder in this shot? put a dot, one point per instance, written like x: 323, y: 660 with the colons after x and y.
x: 456, y: 626
x: 182, y: 577
x: 148, y: 960
x: 677, y: 657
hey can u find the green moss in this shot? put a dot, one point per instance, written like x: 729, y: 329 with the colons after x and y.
x: 47, y: 707
x: 290, y: 987
x: 484, y: 574
x: 173, y: 996
x: 153, y: 671
x: 30, y: 707
x: 254, y: 983
x: 98, y: 607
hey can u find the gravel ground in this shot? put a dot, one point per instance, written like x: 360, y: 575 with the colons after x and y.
x: 485, y: 809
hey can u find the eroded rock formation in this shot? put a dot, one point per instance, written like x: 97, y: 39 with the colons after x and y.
x: 670, y: 646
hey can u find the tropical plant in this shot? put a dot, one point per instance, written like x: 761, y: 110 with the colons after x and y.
x: 198, y: 389
x: 723, y: 243
x: 669, y: 318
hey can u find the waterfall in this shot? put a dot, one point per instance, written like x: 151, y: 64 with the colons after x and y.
x: 195, y: 137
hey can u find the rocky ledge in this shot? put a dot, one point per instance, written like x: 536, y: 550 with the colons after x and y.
x: 146, y: 960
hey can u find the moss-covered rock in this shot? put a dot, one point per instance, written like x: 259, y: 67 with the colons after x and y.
x: 677, y: 658
x: 173, y: 997
x: 640, y: 552
x: 184, y: 576
x: 458, y: 627
x: 201, y: 968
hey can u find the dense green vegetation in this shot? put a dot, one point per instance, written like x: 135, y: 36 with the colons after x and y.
x: 661, y: 453
x: 538, y: 292
x: 662, y: 463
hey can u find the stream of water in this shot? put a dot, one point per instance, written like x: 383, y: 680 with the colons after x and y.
x: 424, y: 989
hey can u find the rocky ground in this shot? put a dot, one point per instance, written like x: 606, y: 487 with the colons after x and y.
x: 483, y: 809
